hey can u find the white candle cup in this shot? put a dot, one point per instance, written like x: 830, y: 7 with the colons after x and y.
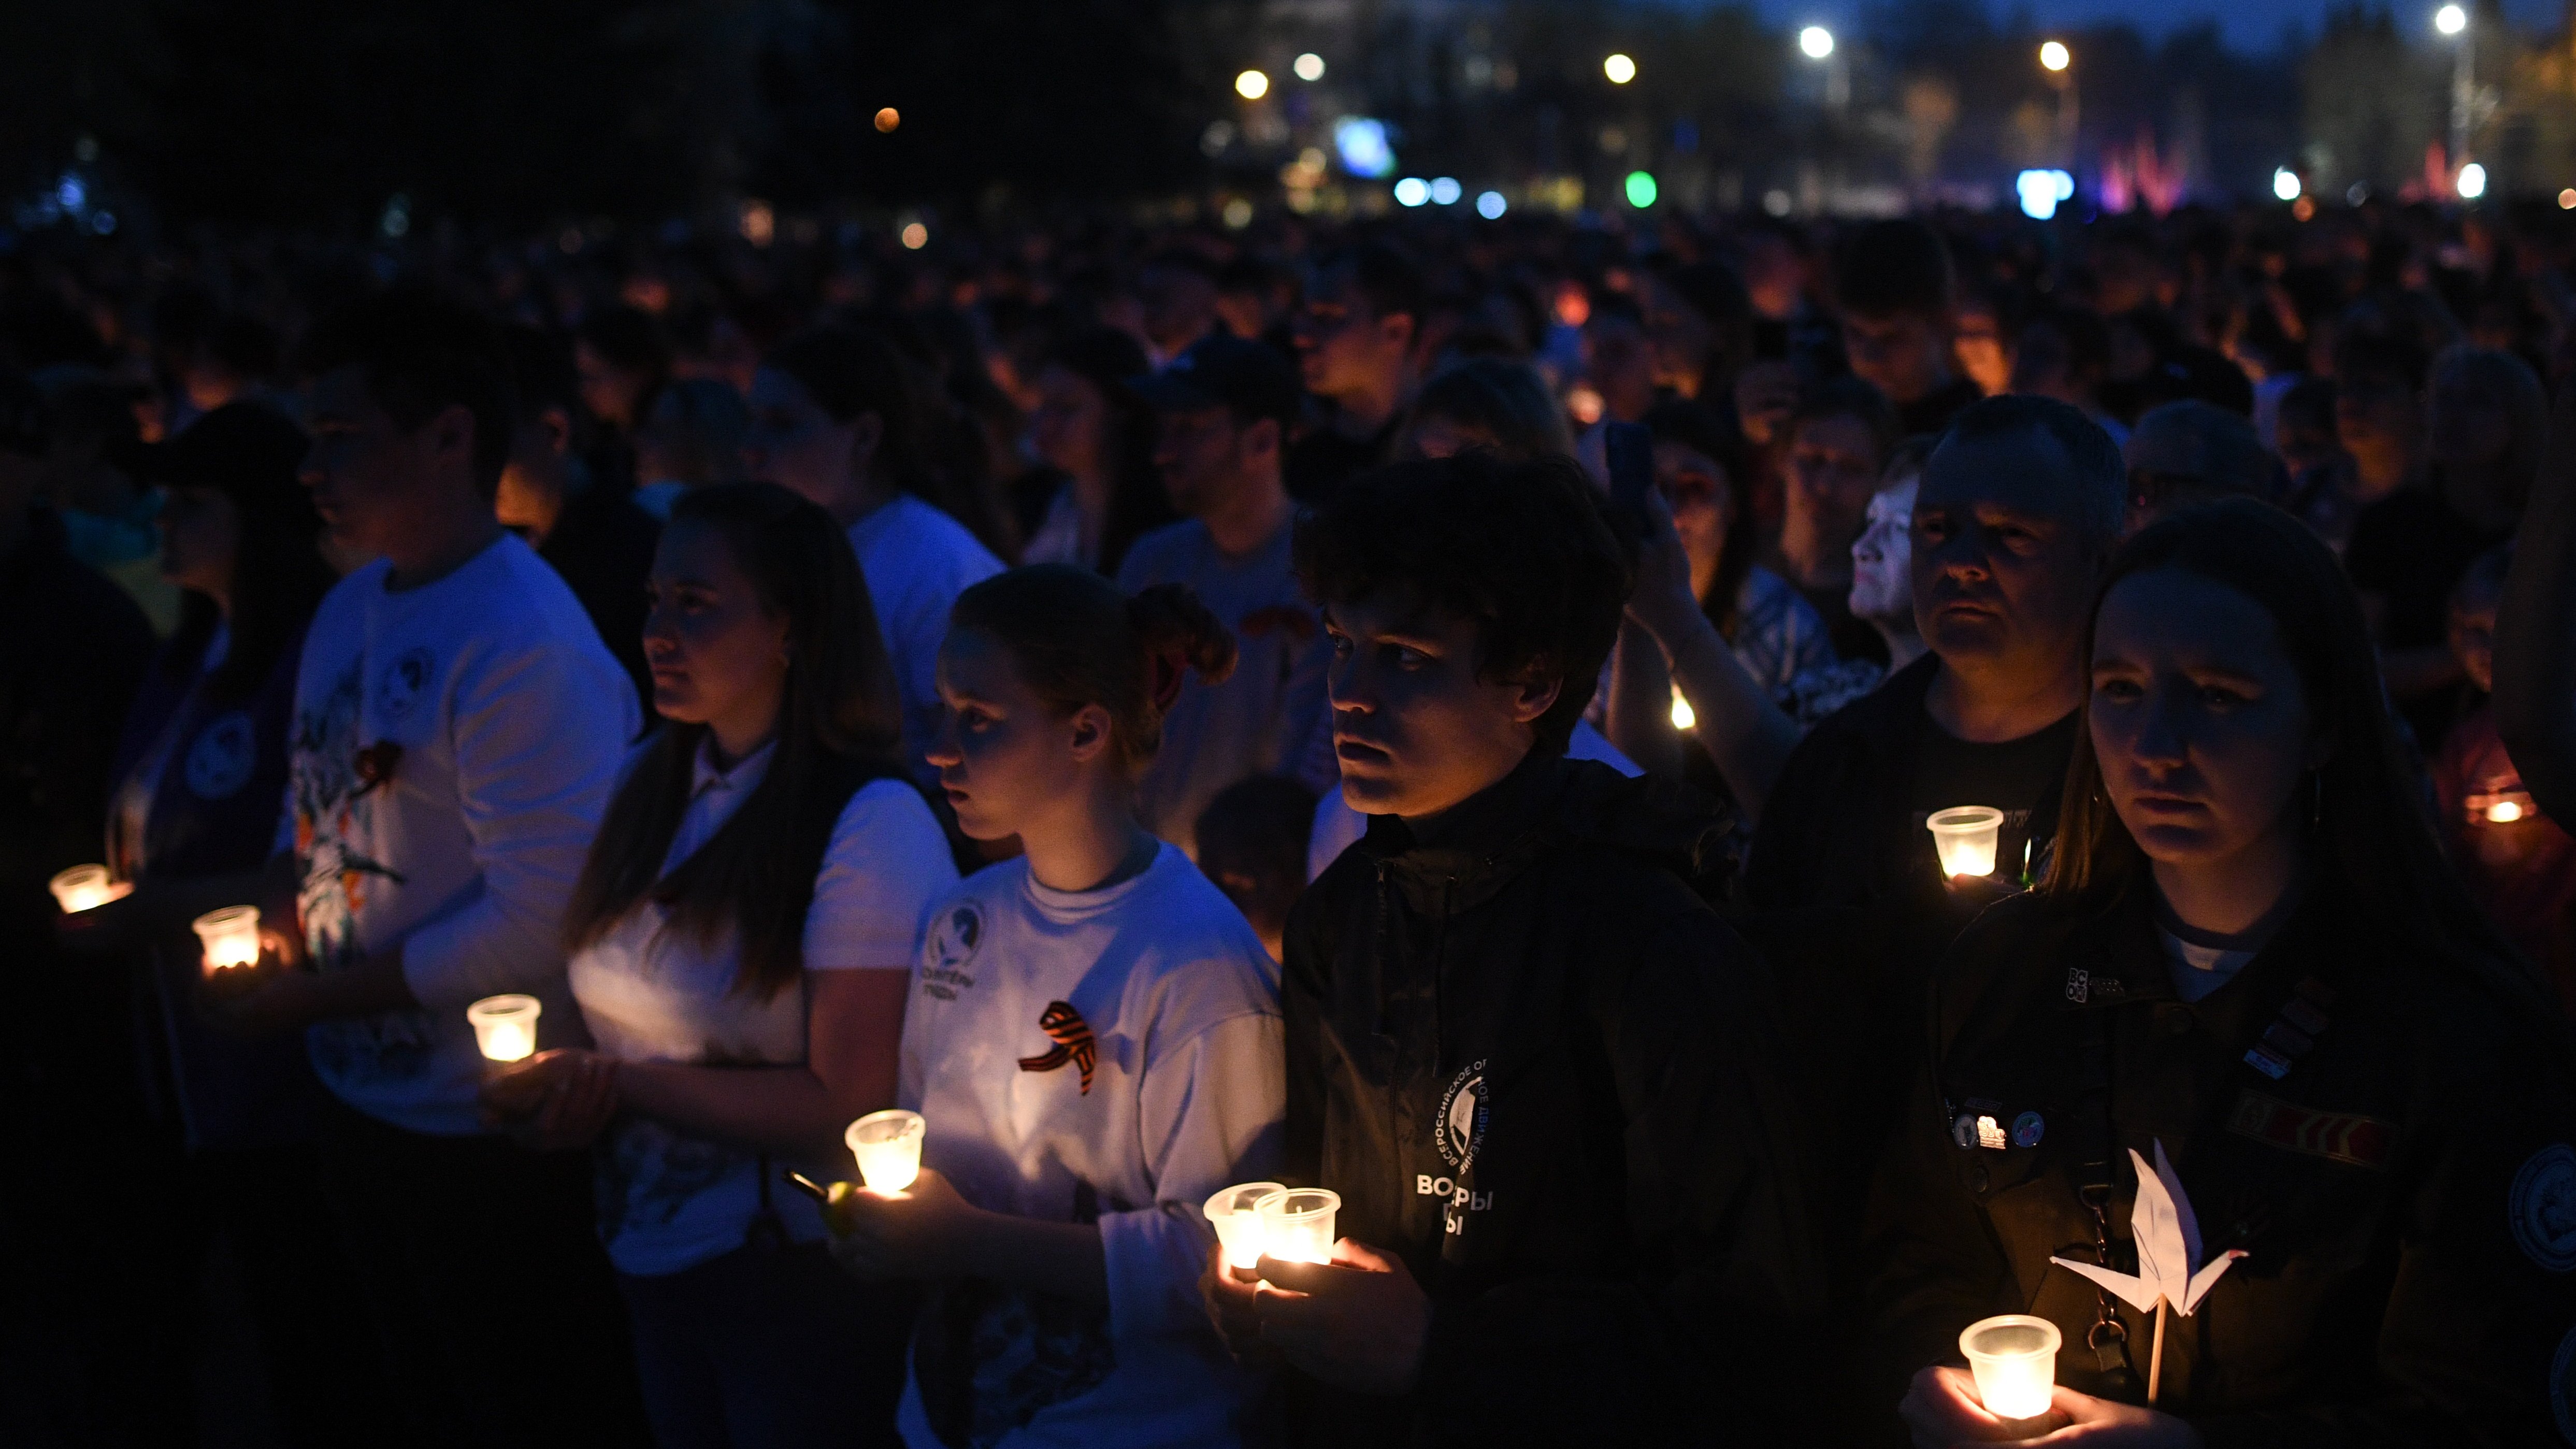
x: 85, y: 888
x: 2015, y: 1360
x: 888, y: 1148
x: 505, y: 1027
x: 1965, y: 835
x: 1297, y: 1224
x: 230, y: 938
x: 1234, y: 1213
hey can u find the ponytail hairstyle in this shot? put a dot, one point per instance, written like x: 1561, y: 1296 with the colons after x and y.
x: 2370, y: 838
x: 837, y: 730
x: 1076, y: 640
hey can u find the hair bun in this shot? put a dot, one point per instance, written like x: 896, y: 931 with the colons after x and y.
x: 1180, y: 633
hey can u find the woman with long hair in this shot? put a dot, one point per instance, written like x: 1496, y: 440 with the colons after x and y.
x: 2249, y: 968
x: 1090, y: 428
x: 1093, y: 1035
x: 192, y: 820
x: 739, y: 941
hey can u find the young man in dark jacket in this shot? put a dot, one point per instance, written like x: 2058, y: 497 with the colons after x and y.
x: 1535, y: 1065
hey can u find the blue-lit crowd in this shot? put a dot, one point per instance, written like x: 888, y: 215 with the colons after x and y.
x: 1738, y: 799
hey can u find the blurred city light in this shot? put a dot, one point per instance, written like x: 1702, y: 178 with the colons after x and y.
x: 1238, y: 213
x: 1816, y: 41
x: 1361, y: 143
x: 2567, y: 199
x: 1445, y: 191
x: 1412, y: 191
x: 1491, y: 205
x: 1641, y: 189
x: 2040, y: 191
x: 888, y: 119
x: 1619, y: 68
x: 2285, y: 183
x: 2473, y: 181
x: 914, y: 236
x: 1252, y: 85
x: 1309, y: 67
x: 2450, y: 20
x: 2053, y: 55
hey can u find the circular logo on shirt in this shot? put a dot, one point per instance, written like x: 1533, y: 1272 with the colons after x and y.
x: 2028, y: 1128
x: 956, y: 934
x: 2543, y: 1206
x: 1463, y: 1111
x: 220, y: 758
x: 403, y: 681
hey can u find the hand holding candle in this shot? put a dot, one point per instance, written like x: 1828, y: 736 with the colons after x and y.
x: 86, y: 888
x: 2014, y: 1358
x: 1297, y: 1224
x: 505, y: 1027
x: 888, y: 1148
x: 230, y: 938
x: 1966, y: 837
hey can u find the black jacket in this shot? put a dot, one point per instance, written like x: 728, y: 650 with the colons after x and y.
x: 1539, y: 1069
x: 2406, y: 1188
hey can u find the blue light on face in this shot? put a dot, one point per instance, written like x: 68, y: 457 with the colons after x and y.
x: 1361, y: 143
x: 2040, y: 191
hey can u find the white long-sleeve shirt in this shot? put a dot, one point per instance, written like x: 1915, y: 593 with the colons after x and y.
x: 1109, y: 1056
x: 496, y: 720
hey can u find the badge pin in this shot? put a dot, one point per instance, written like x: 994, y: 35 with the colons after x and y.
x: 1964, y: 1131
x: 2079, y: 985
x: 2027, y: 1129
x: 2543, y: 1208
x: 1990, y: 1134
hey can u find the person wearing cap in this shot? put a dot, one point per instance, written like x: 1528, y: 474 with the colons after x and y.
x: 192, y: 813
x: 1225, y: 407
x: 2188, y: 453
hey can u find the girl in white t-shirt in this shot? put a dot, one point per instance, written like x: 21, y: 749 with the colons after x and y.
x: 1093, y: 1035
x: 740, y: 941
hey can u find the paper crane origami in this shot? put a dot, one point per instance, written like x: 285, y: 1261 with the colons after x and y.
x: 2169, y: 1266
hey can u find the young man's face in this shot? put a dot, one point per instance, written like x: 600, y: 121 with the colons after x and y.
x: 2001, y: 574
x: 1344, y: 348
x: 370, y: 479
x: 1208, y: 456
x: 1906, y: 356
x: 1415, y: 729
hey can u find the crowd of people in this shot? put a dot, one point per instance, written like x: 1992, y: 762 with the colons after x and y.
x: 1446, y: 715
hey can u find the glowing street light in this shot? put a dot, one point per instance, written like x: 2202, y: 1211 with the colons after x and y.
x: 2450, y: 20
x: 2473, y: 181
x: 1252, y: 85
x: 1641, y: 189
x: 888, y: 119
x: 1491, y: 205
x: 1816, y: 41
x: 1309, y: 67
x: 1412, y: 191
x: 1619, y: 68
x: 2053, y: 55
x: 2285, y: 183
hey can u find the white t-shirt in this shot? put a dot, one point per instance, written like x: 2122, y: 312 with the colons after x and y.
x: 495, y: 720
x: 1337, y: 825
x: 1267, y: 717
x: 669, y: 1201
x: 1155, y: 1079
x: 916, y: 560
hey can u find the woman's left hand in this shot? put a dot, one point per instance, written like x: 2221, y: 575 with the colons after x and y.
x: 924, y: 1231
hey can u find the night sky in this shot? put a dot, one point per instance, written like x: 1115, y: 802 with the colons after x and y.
x: 2248, y: 24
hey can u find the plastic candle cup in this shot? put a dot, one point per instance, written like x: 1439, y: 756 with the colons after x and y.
x: 1297, y: 1224
x: 1965, y: 835
x: 505, y: 1027
x: 2015, y: 1360
x: 888, y: 1147
x: 1232, y: 1212
x: 230, y: 936
x: 85, y: 888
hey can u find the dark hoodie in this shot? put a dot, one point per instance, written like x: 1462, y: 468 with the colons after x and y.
x: 1540, y: 1070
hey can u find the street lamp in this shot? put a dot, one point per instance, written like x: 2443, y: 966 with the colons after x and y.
x: 1252, y: 85
x: 2059, y: 62
x: 2453, y: 21
x: 1619, y: 68
x: 1309, y: 67
x: 1817, y: 43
